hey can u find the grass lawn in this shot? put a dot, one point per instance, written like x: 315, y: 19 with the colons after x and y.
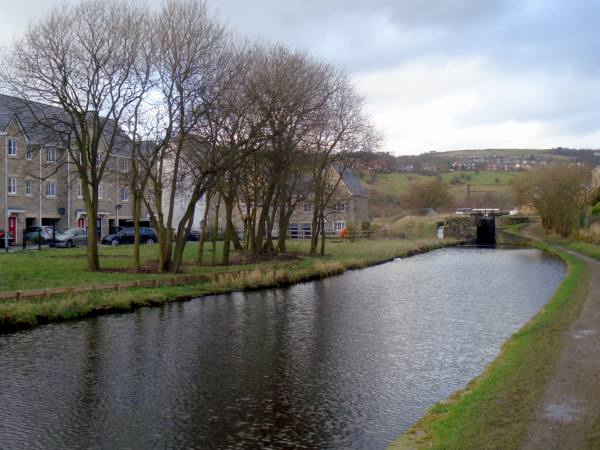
x: 65, y: 268
x: 494, y: 411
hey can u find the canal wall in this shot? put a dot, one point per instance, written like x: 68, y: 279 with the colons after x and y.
x: 461, y: 227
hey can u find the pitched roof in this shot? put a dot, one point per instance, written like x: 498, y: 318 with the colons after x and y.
x: 351, y: 181
x: 30, y: 115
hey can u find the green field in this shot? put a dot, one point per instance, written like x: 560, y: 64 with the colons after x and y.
x: 386, y: 189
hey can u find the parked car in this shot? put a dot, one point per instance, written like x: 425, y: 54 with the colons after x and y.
x: 45, y: 232
x: 125, y: 236
x: 11, y: 239
x: 194, y: 235
x: 72, y: 237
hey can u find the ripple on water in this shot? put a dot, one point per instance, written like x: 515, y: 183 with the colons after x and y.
x: 349, y: 361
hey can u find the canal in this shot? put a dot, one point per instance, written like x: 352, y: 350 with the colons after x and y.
x: 346, y: 362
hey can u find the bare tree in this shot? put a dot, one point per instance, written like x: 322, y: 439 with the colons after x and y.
x: 558, y: 193
x: 431, y: 193
x: 288, y: 89
x: 340, y: 131
x: 80, y: 59
x: 188, y: 46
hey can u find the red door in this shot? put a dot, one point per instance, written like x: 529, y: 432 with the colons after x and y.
x: 81, y: 222
x: 12, y: 226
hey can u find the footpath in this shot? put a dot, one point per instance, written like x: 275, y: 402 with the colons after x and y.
x: 568, y: 416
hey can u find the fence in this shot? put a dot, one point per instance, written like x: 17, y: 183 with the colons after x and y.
x: 180, y: 280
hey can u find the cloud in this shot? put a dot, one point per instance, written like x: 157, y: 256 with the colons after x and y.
x: 439, y: 74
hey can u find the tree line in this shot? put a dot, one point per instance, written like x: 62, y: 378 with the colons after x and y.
x: 201, y: 113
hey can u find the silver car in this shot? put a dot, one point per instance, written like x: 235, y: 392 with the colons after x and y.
x: 72, y: 237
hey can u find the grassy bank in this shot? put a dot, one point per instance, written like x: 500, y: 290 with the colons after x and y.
x: 493, y: 412
x: 61, y: 271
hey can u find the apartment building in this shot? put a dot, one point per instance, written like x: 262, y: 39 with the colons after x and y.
x: 39, y: 183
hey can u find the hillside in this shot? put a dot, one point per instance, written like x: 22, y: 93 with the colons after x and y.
x: 482, y: 188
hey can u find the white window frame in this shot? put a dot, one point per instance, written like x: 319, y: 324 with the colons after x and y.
x: 340, y: 206
x: 11, y: 147
x: 12, y: 185
x: 109, y: 192
x: 50, y: 154
x: 307, y: 207
x: 48, y: 185
x: 101, y: 191
x: 28, y: 188
x: 125, y: 166
x: 125, y: 194
x: 339, y: 225
x: 29, y: 153
x: 79, y: 190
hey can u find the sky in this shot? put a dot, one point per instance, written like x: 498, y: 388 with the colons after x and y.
x: 436, y: 75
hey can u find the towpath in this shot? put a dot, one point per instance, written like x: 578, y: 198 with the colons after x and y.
x: 568, y: 416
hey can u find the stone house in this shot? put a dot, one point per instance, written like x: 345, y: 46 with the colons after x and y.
x: 349, y: 206
x: 39, y: 183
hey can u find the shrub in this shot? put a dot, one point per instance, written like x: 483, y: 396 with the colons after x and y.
x: 412, y: 227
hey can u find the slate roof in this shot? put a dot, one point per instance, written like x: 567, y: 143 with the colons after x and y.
x: 351, y: 181
x: 29, y: 116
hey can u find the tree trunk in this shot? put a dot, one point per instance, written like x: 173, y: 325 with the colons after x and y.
x: 213, y: 257
x: 227, y: 236
x: 137, y: 210
x: 183, y: 230
x: 93, y: 260
x: 314, y: 237
x: 322, y: 235
x: 202, y: 236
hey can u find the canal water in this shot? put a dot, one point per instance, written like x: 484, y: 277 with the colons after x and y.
x: 346, y: 362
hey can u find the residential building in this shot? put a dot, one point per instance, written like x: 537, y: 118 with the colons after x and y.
x: 39, y: 183
x: 349, y: 206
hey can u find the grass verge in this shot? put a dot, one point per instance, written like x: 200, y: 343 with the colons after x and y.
x: 25, y: 313
x: 495, y: 409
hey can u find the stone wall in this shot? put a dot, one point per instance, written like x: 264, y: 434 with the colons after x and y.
x: 461, y: 227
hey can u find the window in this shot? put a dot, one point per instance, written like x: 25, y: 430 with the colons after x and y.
x: 51, y: 189
x: 79, y: 190
x: 11, y: 147
x: 29, y: 153
x: 12, y: 186
x: 28, y: 188
x: 124, y: 165
x: 307, y: 207
x: 50, y: 154
x: 124, y: 193
x: 340, y: 225
x: 110, y: 192
x: 101, y: 191
x: 339, y: 206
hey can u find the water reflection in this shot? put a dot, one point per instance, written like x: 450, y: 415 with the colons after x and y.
x: 347, y: 362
